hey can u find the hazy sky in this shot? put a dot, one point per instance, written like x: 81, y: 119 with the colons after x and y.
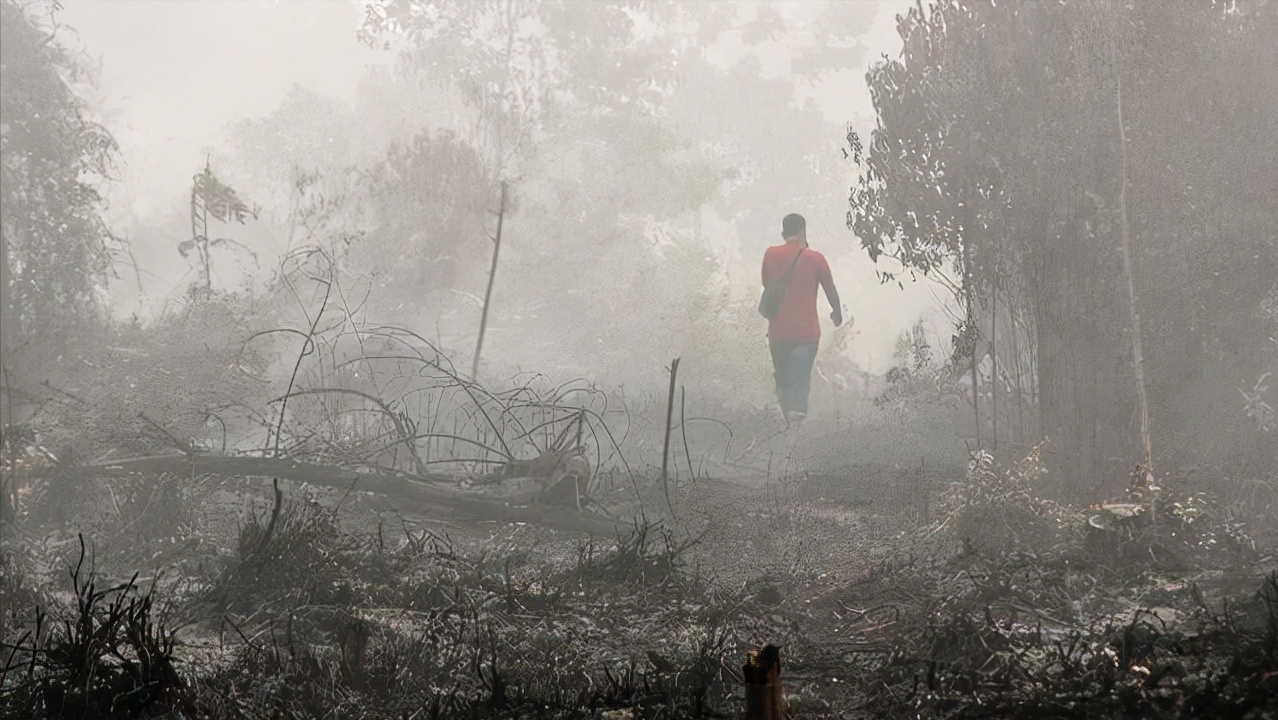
x: 172, y: 74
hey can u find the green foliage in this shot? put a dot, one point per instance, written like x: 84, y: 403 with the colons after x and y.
x: 430, y: 198
x: 1007, y: 135
x: 512, y: 61
x: 153, y: 389
x: 563, y: 101
x: 605, y: 120
x: 998, y: 511
x: 54, y: 249
x: 306, y: 134
x: 210, y: 197
x: 916, y: 376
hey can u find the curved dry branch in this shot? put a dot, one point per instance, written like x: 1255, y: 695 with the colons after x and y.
x: 472, y: 390
x: 720, y: 423
x: 457, y: 438
x: 405, y: 436
x: 307, y: 345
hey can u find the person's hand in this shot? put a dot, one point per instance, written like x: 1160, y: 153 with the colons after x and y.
x: 837, y: 317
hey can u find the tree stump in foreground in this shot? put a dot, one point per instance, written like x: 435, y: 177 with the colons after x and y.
x: 762, y: 675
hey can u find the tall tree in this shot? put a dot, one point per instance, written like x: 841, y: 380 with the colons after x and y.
x: 1015, y: 141
x: 54, y: 247
x: 1200, y: 101
x: 211, y: 197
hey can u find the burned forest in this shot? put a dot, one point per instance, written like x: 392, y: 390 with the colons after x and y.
x: 406, y: 359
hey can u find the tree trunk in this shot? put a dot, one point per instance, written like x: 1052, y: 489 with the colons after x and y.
x: 1084, y: 383
x: 1138, y: 359
x: 8, y: 316
x: 434, y: 496
x: 994, y: 363
x: 971, y: 330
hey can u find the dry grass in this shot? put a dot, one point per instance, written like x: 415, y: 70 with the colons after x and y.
x: 996, y: 604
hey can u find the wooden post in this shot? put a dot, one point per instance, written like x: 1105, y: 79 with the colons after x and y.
x: 762, y: 675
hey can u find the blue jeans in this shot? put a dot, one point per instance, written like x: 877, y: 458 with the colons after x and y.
x: 792, y: 367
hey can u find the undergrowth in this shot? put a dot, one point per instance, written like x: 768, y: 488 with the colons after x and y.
x: 1015, y: 607
x: 1006, y: 606
x: 108, y: 654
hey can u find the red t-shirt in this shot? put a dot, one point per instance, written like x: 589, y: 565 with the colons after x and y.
x: 797, y: 318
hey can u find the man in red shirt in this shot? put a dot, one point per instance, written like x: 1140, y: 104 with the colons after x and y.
x: 794, y: 332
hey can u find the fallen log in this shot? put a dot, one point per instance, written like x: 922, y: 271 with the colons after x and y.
x: 433, y: 496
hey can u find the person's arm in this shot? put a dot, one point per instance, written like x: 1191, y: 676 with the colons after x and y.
x: 832, y: 295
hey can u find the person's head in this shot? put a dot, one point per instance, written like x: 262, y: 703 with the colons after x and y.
x: 793, y: 226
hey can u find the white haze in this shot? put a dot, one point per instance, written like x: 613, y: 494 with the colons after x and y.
x: 172, y: 76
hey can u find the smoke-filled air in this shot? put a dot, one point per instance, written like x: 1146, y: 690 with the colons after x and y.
x: 638, y: 359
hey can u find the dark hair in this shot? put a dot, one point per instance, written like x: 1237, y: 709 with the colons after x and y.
x: 792, y: 225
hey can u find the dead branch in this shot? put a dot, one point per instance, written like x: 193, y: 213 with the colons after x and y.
x: 665, y: 448
x: 683, y: 430
x: 406, y: 436
x: 174, y: 441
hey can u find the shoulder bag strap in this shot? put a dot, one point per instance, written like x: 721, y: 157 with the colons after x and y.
x: 790, y: 270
